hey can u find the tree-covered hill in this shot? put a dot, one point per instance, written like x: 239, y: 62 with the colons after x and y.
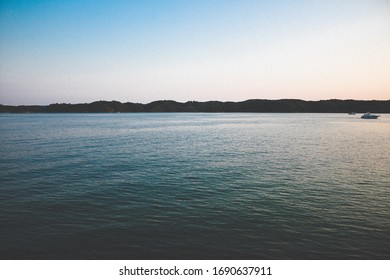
x: 253, y: 105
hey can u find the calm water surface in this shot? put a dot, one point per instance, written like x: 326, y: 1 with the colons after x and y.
x: 194, y: 186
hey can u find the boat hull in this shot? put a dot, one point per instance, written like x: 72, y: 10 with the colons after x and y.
x: 371, y: 117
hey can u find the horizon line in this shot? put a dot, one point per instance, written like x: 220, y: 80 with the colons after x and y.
x: 196, y: 101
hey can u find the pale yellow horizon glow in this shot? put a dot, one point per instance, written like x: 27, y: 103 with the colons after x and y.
x: 309, y: 50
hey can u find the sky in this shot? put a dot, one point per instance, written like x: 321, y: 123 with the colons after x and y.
x: 78, y: 51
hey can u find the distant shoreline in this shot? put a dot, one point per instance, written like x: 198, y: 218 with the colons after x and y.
x: 248, y: 106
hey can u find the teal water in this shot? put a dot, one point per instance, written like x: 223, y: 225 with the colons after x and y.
x: 194, y: 186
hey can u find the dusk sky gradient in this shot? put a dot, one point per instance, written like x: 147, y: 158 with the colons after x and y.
x: 74, y: 51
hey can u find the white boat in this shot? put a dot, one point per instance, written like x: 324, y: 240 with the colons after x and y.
x: 369, y: 116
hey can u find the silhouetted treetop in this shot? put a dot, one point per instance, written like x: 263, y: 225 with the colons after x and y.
x: 252, y: 105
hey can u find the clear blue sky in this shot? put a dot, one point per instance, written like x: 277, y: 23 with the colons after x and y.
x: 77, y: 51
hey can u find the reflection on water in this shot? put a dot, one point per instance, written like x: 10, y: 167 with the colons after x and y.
x: 194, y: 186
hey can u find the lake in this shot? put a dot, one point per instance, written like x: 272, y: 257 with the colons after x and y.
x: 194, y: 186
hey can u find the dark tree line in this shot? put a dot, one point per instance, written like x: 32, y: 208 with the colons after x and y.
x: 253, y: 105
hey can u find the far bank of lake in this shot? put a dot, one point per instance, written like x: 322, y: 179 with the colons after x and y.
x: 248, y: 106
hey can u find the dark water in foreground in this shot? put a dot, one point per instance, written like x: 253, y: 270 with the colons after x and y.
x: 194, y: 186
